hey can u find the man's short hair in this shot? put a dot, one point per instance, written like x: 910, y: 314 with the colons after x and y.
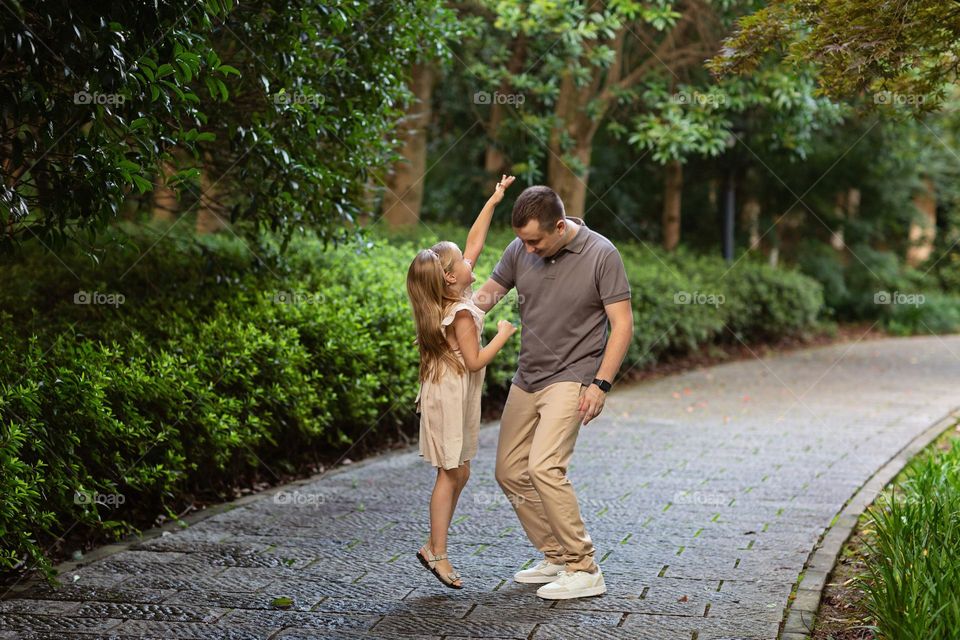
x: 538, y: 203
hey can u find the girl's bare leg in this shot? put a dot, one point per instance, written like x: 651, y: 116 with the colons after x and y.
x: 442, y: 501
x: 462, y: 476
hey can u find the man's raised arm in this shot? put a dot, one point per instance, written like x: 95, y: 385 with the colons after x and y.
x: 489, y: 294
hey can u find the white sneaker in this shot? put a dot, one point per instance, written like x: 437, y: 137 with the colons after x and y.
x: 578, y: 584
x: 545, y: 571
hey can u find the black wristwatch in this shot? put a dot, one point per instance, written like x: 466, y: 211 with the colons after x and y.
x: 603, y: 384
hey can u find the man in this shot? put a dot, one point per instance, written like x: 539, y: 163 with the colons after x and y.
x: 570, y: 281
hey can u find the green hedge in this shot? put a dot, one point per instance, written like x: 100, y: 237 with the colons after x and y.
x: 873, y: 285
x: 224, y: 361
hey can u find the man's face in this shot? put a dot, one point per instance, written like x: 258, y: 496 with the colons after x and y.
x: 542, y: 243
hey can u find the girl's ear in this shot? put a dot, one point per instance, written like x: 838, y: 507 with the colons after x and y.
x: 450, y: 278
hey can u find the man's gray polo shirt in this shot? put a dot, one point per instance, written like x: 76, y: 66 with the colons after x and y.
x: 564, y: 325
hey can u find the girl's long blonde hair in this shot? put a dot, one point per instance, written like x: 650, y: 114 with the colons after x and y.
x: 430, y: 298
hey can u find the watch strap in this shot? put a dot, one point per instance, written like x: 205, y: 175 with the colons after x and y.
x: 603, y: 384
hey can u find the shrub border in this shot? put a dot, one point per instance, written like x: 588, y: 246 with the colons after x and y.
x: 800, y: 615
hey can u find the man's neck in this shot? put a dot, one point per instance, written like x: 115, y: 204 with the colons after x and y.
x: 574, y: 229
x: 570, y: 230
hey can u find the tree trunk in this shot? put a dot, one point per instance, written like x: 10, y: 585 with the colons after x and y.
x: 211, y: 213
x: 569, y: 168
x: 837, y: 238
x: 494, y: 161
x: 751, y: 219
x: 845, y: 207
x: 165, y: 205
x: 571, y: 185
x: 404, y: 184
x: 923, y: 233
x: 672, y: 194
x: 370, y: 196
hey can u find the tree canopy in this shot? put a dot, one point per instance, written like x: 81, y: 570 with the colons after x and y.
x: 897, y: 50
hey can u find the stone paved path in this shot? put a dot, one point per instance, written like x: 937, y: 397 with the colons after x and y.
x: 704, y: 493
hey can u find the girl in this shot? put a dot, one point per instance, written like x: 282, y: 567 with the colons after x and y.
x: 452, y: 366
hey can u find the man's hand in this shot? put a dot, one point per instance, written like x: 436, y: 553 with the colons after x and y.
x: 591, y: 403
x: 505, y: 181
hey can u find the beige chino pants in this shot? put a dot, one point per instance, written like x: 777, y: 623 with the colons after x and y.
x: 538, y: 432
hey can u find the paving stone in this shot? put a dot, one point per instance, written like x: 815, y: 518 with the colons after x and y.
x: 747, y: 628
x: 655, y: 626
x: 220, y: 582
x: 227, y: 600
x: 509, y: 595
x: 560, y: 632
x: 394, y: 608
x: 170, y: 613
x: 78, y: 593
x: 299, y: 619
x: 313, y: 634
x: 33, y: 622
x: 462, y: 628
x: 195, y: 631
x: 93, y: 577
x: 543, y: 615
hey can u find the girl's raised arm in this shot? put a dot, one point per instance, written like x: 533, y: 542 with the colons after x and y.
x: 478, y: 232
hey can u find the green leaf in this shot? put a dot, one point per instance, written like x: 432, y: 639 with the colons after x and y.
x: 143, y: 185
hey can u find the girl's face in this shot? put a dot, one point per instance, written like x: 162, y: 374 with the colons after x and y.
x: 461, y: 272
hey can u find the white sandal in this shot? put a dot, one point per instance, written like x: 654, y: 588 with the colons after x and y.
x: 429, y: 560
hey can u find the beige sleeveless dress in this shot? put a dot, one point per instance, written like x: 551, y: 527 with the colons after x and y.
x: 450, y: 408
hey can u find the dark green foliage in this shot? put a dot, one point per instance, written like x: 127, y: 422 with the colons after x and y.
x: 873, y: 285
x: 95, y: 93
x: 285, y: 106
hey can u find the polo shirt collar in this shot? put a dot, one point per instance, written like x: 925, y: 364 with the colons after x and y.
x: 576, y: 245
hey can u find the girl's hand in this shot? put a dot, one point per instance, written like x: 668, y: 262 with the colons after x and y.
x: 505, y: 181
x: 506, y: 328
